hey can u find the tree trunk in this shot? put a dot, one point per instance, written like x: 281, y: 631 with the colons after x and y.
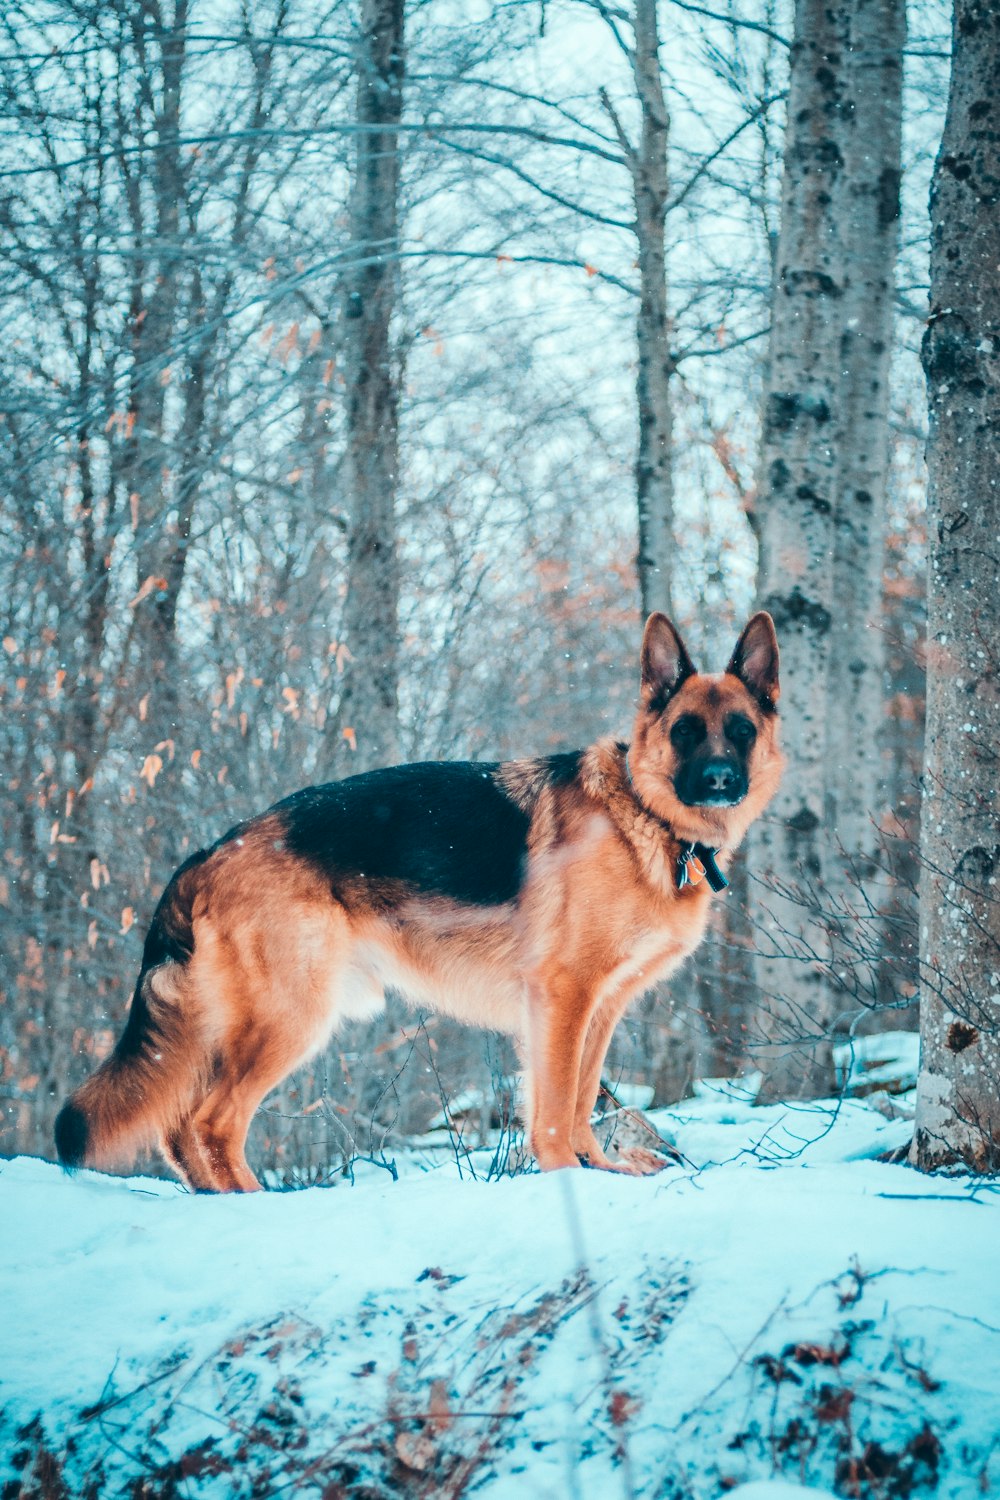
x: 367, y: 730
x: 366, y: 724
x: 824, y: 472
x: 163, y: 514
x: 958, y: 1095
x: 856, y: 711
x: 654, y: 475
x: 798, y: 495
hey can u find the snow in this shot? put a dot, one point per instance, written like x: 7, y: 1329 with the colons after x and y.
x: 780, y: 1309
x: 888, y: 1060
x: 776, y: 1489
x: 634, y: 1095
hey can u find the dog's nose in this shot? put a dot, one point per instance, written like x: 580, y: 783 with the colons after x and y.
x: 719, y: 776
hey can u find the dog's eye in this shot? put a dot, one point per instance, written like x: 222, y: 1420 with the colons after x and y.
x: 740, y: 730
x: 689, y: 730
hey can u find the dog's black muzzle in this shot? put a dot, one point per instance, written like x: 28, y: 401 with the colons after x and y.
x: 719, y: 782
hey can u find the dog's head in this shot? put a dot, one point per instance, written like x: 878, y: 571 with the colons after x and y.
x: 705, y: 755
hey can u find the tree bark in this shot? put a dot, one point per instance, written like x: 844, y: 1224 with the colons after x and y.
x: 161, y: 547
x: 821, y: 527
x: 871, y: 179
x: 958, y: 1094
x: 367, y: 725
x: 796, y: 509
x: 654, y: 472
x: 365, y: 731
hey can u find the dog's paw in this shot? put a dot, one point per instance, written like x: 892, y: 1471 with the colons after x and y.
x: 635, y: 1145
x: 637, y: 1161
x: 596, y: 1161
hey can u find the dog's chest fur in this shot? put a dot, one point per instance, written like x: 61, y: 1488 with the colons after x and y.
x: 601, y: 900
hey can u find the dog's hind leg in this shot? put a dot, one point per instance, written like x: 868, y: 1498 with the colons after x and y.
x: 251, y: 1069
x: 221, y: 1128
x: 275, y: 974
x: 182, y: 1150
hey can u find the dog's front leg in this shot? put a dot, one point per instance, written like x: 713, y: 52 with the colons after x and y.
x: 558, y: 1016
x: 598, y: 1039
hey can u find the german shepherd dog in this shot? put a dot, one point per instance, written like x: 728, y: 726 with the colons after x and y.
x: 533, y: 897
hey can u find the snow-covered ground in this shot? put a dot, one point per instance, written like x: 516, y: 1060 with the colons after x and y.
x: 779, y: 1306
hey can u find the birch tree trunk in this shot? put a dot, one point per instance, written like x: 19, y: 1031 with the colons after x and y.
x: 855, y: 692
x: 654, y: 474
x: 156, y: 297
x: 796, y: 509
x: 822, y: 516
x: 958, y: 1093
x: 366, y: 726
x: 368, y: 718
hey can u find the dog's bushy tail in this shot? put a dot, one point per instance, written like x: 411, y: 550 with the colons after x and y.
x: 160, y: 1064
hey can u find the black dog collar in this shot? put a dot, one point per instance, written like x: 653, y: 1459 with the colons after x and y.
x: 697, y: 862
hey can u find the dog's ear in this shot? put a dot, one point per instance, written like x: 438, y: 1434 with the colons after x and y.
x: 664, y: 660
x: 755, y: 661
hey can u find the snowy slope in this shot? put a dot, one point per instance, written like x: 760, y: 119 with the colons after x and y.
x: 779, y: 1305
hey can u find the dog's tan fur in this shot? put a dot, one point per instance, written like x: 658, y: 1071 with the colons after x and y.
x: 276, y: 961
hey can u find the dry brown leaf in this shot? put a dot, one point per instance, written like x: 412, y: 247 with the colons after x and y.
x: 415, y: 1450
x: 151, y: 768
x: 146, y: 588
x: 287, y: 346
x: 439, y: 1407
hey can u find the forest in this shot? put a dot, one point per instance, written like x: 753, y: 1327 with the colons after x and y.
x: 373, y: 371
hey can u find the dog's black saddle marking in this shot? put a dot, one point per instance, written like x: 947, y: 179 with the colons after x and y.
x: 439, y: 826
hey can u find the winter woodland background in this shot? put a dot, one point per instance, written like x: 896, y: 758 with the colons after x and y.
x: 369, y: 368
